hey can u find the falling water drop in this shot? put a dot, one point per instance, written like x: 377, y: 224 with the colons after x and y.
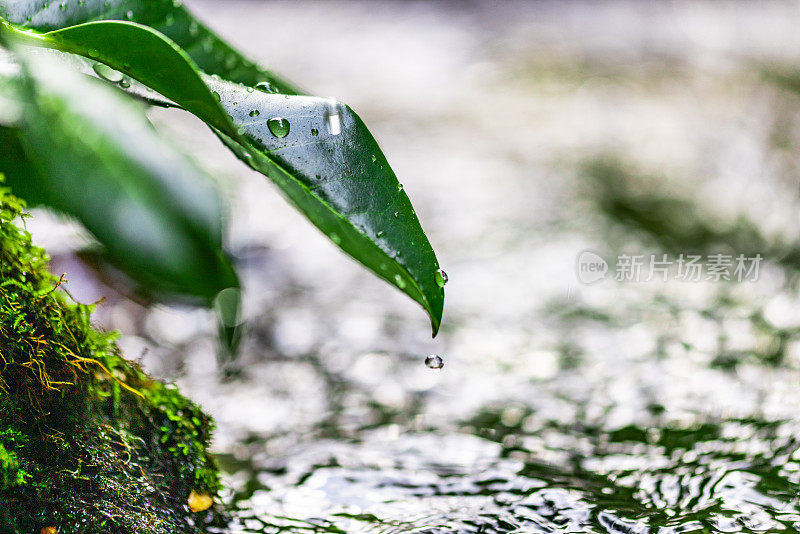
x: 434, y: 361
x: 278, y: 126
x: 107, y: 73
x: 255, y: 113
x: 441, y: 278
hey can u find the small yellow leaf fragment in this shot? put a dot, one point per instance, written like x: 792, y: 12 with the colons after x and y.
x: 48, y: 530
x: 197, y: 503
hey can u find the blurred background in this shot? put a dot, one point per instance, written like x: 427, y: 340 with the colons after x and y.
x: 525, y: 133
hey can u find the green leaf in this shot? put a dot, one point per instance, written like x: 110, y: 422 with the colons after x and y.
x: 86, y: 150
x: 169, y: 17
x: 328, y: 164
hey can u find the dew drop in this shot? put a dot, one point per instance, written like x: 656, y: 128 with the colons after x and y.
x: 124, y: 83
x: 107, y: 73
x: 434, y: 361
x: 441, y: 278
x: 332, y: 118
x: 265, y: 87
x: 396, y: 214
x: 250, y: 89
x: 216, y: 95
x: 314, y: 132
x: 93, y: 53
x: 399, y: 281
x: 374, y: 158
x: 278, y: 126
x: 399, y: 187
x: 380, y: 233
x: 255, y: 113
x: 335, y: 238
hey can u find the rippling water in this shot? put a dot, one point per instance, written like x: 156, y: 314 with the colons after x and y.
x: 524, y: 134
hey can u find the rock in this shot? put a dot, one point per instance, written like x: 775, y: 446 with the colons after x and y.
x: 88, y: 442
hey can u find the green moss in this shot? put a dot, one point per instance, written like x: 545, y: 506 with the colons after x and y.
x: 88, y: 442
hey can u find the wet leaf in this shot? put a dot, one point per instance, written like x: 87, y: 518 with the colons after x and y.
x: 169, y: 17
x: 88, y: 151
x: 317, y: 151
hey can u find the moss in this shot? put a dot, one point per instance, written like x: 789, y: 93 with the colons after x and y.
x: 88, y: 442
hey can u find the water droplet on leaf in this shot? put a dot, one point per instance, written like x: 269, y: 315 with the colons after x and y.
x: 265, y: 87
x: 314, y: 132
x: 335, y: 238
x: 124, y: 83
x: 278, y: 126
x: 255, y: 113
x: 434, y: 362
x: 216, y: 95
x: 441, y: 278
x: 333, y: 120
x: 107, y: 73
x: 399, y: 281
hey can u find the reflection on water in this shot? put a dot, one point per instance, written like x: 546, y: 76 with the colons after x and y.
x: 524, y: 134
x: 528, y: 477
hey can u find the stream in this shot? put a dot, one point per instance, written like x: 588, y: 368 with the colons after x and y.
x: 525, y: 134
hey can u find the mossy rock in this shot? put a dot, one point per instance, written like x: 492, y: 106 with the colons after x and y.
x: 88, y: 442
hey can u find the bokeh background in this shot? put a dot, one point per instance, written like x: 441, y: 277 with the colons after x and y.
x: 524, y: 133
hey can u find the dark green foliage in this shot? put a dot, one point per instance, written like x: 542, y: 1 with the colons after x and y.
x: 325, y: 160
x: 88, y: 443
